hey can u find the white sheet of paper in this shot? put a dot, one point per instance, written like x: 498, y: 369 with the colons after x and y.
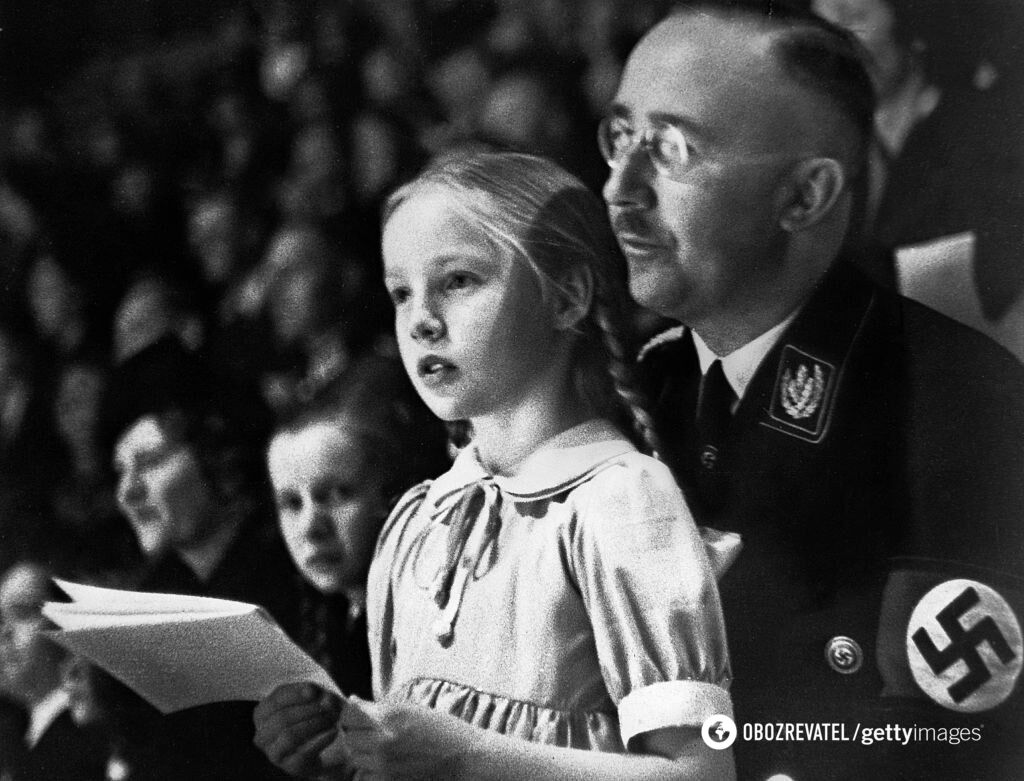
x: 178, y: 651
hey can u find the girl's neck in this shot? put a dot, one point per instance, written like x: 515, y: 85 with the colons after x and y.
x: 505, y: 439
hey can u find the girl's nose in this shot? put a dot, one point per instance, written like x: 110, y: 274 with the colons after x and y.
x: 426, y: 325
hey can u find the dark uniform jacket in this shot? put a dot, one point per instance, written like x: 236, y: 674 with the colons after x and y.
x: 875, y: 470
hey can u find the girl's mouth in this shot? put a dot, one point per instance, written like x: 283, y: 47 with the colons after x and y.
x: 433, y: 368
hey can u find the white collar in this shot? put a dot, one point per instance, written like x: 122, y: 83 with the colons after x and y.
x: 42, y: 715
x: 559, y: 464
x: 740, y: 365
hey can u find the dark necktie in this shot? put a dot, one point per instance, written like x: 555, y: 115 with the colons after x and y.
x: 714, y: 414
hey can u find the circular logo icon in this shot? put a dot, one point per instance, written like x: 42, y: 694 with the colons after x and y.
x: 844, y: 655
x: 964, y: 646
x: 719, y: 731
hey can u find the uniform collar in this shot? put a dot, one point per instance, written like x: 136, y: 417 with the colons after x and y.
x: 802, y: 379
x: 558, y: 465
x: 740, y: 365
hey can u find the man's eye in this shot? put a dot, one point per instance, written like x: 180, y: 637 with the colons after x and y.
x: 620, y: 136
x: 290, y: 503
x: 669, y: 147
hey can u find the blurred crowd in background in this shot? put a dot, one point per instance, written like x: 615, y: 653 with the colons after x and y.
x: 228, y: 191
x: 224, y: 189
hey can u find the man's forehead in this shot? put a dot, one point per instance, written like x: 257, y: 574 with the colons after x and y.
x: 701, y: 51
x: 718, y: 74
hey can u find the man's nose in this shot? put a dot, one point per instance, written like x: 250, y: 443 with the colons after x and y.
x: 629, y: 183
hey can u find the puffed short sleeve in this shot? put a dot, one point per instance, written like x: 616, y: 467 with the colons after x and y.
x: 649, y: 589
x: 379, y: 590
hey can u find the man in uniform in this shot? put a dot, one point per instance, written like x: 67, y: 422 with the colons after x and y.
x: 869, y: 450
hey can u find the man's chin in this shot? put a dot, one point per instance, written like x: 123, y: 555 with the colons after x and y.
x: 650, y: 296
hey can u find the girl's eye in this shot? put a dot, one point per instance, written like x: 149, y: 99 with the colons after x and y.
x: 459, y: 281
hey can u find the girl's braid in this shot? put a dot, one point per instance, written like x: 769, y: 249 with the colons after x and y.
x: 630, y: 397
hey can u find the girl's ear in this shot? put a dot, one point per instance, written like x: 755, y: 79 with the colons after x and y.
x: 816, y: 185
x: 573, y: 297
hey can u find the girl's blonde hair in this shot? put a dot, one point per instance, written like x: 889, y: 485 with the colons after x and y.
x: 547, y: 218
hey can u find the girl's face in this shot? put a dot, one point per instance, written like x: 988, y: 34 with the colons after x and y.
x: 474, y: 335
x: 330, y: 503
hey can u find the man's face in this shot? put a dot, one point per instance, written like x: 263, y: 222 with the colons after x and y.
x: 29, y: 661
x: 707, y: 241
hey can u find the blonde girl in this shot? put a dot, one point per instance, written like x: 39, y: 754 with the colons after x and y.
x: 545, y: 608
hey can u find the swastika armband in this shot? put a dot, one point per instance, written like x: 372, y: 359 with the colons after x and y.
x: 955, y: 640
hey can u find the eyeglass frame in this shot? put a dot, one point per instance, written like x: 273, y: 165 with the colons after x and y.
x: 646, y: 140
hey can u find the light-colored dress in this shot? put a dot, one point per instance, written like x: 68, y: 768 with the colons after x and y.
x: 572, y: 604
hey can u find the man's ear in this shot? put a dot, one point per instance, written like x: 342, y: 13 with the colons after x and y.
x: 815, y: 186
x: 572, y: 297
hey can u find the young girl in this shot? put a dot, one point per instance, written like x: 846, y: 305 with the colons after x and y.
x: 546, y: 608
x: 335, y: 460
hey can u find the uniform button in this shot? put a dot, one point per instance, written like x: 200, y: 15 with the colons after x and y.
x: 844, y: 655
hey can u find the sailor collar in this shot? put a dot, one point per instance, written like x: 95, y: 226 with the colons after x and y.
x: 558, y: 465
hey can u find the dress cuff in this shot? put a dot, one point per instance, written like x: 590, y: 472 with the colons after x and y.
x: 671, y: 704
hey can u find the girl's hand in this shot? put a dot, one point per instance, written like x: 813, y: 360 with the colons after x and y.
x: 404, y: 741
x: 294, y: 725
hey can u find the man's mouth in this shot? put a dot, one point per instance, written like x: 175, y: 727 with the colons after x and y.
x: 634, y: 234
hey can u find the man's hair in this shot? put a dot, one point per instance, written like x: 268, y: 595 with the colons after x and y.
x: 816, y: 54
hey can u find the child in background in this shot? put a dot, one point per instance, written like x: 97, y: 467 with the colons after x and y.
x: 546, y: 608
x: 335, y: 461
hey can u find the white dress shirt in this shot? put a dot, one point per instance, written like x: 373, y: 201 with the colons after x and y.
x: 740, y: 365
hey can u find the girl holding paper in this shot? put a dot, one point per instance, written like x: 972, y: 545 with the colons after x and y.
x: 545, y: 608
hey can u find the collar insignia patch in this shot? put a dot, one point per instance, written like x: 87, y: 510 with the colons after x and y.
x: 802, y: 397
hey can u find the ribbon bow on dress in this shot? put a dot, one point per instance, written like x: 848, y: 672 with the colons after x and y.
x: 474, y: 522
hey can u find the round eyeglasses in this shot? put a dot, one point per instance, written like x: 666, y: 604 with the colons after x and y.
x: 664, y: 144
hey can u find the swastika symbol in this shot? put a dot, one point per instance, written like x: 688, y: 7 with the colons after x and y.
x: 963, y: 645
